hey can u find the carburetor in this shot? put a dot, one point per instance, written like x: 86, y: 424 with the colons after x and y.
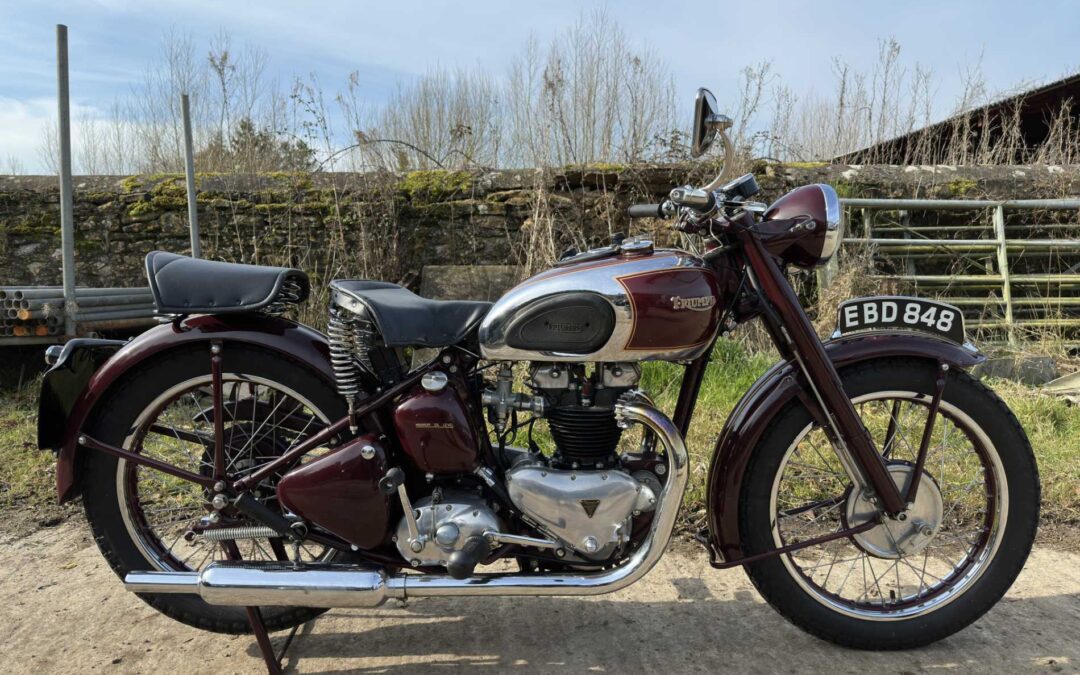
x: 501, y: 400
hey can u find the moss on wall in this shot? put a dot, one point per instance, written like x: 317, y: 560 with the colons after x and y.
x: 391, y: 225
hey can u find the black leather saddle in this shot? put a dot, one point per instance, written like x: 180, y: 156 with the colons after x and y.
x: 405, y: 319
x: 183, y: 285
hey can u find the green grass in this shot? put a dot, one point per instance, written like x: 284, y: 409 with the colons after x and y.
x: 730, y: 373
x: 27, y: 476
x: 1053, y: 427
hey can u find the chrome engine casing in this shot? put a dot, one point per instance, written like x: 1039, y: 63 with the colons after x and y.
x: 445, y: 520
x: 588, y: 511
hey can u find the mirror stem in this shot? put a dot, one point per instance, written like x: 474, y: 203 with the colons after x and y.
x: 729, y: 163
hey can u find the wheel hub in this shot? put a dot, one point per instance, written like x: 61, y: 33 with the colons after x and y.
x: 910, y: 531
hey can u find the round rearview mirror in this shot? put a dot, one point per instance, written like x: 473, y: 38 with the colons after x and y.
x: 707, y: 122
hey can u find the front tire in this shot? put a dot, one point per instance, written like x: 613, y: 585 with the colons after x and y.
x: 892, y: 587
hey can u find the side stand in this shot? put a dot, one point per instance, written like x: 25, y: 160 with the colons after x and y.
x: 262, y: 637
x: 273, y: 661
x: 232, y: 552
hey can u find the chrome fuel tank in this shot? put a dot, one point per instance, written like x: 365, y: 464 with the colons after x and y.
x: 637, y: 306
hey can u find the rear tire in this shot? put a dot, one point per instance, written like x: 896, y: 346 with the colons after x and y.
x: 876, y: 619
x: 102, y: 499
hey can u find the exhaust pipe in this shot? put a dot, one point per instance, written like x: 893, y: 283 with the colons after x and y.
x: 329, y: 585
x: 247, y: 584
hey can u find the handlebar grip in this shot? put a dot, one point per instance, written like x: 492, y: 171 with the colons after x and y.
x: 647, y: 211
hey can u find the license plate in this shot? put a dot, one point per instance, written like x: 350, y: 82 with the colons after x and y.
x: 901, y: 313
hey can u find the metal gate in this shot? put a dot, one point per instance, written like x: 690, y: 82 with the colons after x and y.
x: 1012, y: 266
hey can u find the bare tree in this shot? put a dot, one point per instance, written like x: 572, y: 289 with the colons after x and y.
x: 442, y: 119
x: 590, y: 98
x: 588, y: 95
x: 13, y: 166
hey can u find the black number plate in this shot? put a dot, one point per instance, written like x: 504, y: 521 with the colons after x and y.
x: 899, y: 312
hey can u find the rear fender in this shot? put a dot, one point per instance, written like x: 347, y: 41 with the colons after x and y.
x: 774, y: 390
x: 72, y: 367
x: 285, y: 337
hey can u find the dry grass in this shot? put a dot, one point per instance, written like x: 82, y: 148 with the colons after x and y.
x: 853, y: 278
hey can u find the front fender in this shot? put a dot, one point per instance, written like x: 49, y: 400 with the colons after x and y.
x: 775, y: 389
x: 288, y: 338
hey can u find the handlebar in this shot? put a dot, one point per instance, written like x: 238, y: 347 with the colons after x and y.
x: 702, y: 201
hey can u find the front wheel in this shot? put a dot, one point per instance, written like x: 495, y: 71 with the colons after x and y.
x: 904, y: 583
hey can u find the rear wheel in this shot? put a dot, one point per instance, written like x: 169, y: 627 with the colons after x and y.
x: 143, y: 519
x: 910, y: 581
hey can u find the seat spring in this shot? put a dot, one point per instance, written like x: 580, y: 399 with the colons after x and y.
x: 288, y: 295
x: 350, y: 339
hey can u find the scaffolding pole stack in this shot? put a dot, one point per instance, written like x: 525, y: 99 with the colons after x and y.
x: 41, y: 311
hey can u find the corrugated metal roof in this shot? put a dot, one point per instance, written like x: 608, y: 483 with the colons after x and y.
x: 1037, y: 105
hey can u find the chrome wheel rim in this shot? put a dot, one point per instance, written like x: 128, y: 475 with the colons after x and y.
x: 852, y: 580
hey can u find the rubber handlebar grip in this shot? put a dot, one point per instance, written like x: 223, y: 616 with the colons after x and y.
x: 647, y: 211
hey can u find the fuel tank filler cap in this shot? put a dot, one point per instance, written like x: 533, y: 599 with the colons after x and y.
x: 636, y: 246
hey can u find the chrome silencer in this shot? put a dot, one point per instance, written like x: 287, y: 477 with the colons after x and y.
x: 251, y: 584
x: 330, y: 585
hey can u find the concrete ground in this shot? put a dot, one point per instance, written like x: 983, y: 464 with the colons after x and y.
x: 63, y: 611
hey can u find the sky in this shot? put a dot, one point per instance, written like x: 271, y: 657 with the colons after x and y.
x: 706, y: 43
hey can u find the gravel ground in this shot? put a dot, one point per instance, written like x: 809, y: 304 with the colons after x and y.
x: 65, y: 612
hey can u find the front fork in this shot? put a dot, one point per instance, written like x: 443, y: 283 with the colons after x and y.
x: 796, y: 339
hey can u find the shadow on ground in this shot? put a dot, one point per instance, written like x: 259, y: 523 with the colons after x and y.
x: 696, y: 631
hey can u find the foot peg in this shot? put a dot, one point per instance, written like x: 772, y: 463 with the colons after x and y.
x: 461, y: 563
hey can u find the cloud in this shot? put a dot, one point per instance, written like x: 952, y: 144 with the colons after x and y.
x: 23, y: 124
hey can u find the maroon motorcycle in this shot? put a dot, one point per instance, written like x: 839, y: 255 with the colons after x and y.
x: 242, y: 472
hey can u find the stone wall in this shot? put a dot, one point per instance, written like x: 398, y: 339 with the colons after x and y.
x: 391, y: 226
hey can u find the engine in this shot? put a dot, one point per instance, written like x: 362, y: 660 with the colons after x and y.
x: 584, y: 496
x: 580, y: 410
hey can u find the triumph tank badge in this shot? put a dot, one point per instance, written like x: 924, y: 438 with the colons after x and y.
x: 697, y: 304
x: 434, y: 425
x: 565, y: 327
x: 590, y: 506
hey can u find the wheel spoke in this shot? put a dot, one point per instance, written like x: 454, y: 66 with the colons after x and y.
x: 812, y: 494
x: 263, y: 422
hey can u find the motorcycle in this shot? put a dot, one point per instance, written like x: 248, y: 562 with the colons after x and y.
x: 243, y: 473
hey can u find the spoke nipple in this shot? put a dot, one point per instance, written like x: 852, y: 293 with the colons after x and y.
x: 82, y: 439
